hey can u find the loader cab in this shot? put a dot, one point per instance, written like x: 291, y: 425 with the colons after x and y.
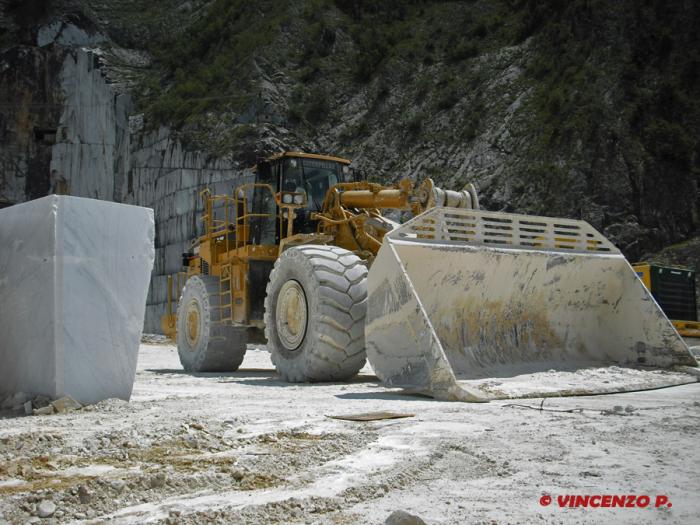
x: 295, y: 172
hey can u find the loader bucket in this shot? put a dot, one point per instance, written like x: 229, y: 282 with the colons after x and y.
x: 475, y: 305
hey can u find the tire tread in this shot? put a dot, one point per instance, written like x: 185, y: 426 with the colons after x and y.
x: 338, y: 352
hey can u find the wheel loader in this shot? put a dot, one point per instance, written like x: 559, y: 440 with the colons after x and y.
x: 323, y: 263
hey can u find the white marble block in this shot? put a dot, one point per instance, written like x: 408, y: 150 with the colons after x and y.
x: 74, y: 276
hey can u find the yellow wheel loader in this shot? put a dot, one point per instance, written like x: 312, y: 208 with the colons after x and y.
x: 438, y: 304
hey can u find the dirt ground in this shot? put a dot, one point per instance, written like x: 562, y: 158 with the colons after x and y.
x: 245, y: 447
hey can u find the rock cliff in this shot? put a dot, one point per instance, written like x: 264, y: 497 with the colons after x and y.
x: 582, y: 109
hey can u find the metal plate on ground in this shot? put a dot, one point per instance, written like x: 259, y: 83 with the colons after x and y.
x: 372, y: 416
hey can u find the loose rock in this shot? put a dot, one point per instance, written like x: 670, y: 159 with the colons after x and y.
x: 237, y: 474
x: 158, y: 481
x: 85, y: 494
x: 400, y: 517
x: 66, y: 404
x: 45, y: 509
x: 41, y: 401
x: 44, y: 411
x: 118, y: 485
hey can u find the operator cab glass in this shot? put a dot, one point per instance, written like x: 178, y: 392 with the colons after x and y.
x: 312, y: 176
x: 289, y: 174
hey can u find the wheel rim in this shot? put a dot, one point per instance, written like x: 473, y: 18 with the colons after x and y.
x: 192, y: 324
x: 291, y: 315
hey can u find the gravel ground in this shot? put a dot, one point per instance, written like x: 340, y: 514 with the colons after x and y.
x: 247, y: 448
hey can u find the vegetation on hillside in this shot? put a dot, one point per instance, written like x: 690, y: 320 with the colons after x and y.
x: 618, y: 78
x: 608, y: 130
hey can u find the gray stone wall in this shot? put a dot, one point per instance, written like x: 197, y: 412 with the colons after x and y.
x: 164, y: 176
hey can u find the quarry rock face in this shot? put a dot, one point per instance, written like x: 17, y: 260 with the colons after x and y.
x: 453, y: 106
x: 28, y: 80
x: 75, y: 275
x: 65, y: 128
x: 90, y: 155
x: 168, y: 178
x: 81, y: 144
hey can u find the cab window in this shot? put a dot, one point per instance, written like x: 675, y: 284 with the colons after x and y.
x: 313, y: 176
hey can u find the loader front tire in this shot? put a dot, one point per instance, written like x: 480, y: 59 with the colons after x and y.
x: 315, y: 314
x: 204, y: 344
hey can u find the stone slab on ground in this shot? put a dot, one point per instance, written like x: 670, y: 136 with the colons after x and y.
x: 74, y: 276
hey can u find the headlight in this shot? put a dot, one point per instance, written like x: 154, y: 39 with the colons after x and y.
x: 287, y: 198
x: 285, y: 214
x: 298, y: 199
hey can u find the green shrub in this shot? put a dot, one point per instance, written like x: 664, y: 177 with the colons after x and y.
x: 450, y: 92
x: 414, y: 123
x: 462, y: 51
x: 371, y: 51
x: 317, y: 108
x: 203, y: 62
x: 669, y: 142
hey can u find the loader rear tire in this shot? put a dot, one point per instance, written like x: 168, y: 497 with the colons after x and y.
x: 315, y: 314
x: 204, y: 344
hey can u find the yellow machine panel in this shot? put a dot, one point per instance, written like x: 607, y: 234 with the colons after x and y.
x: 674, y: 289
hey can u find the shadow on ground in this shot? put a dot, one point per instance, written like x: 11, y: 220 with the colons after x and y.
x: 388, y: 396
x: 256, y: 376
x: 238, y: 373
